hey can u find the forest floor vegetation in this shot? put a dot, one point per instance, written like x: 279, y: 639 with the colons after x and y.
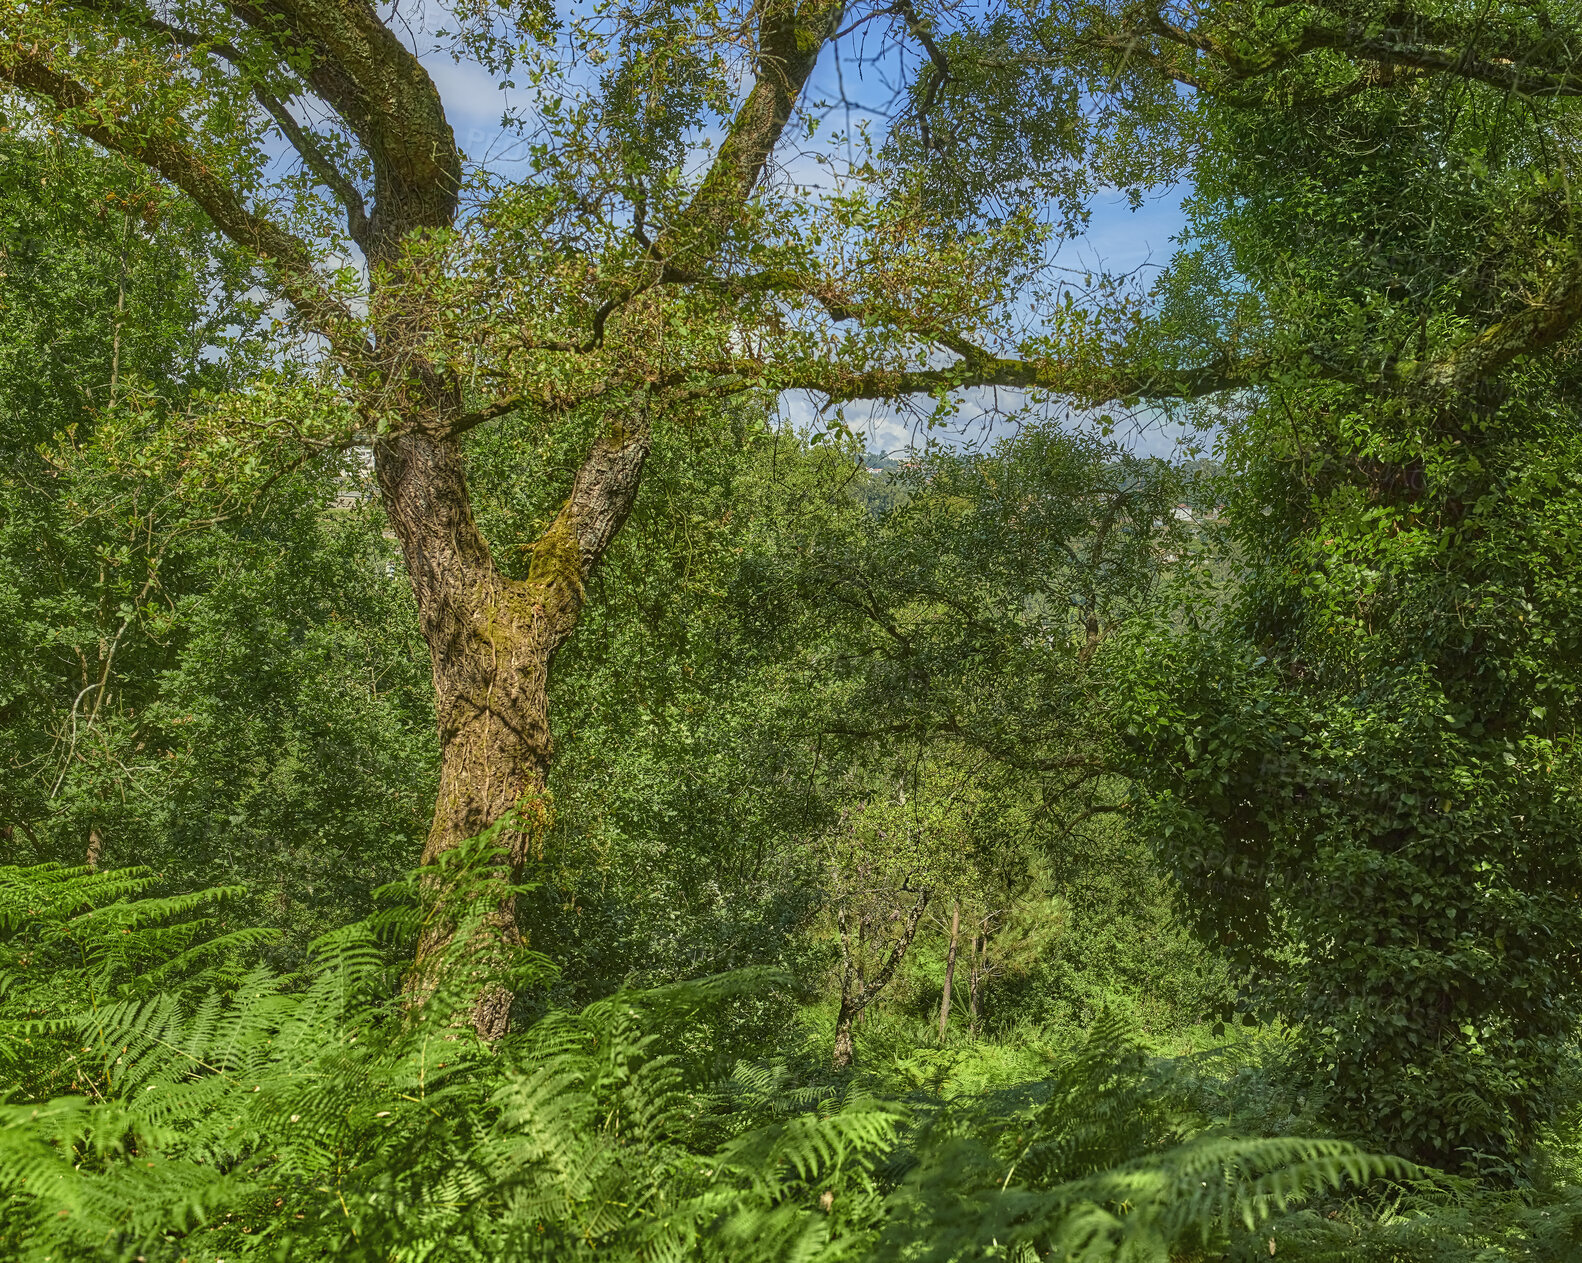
x: 209, y: 1108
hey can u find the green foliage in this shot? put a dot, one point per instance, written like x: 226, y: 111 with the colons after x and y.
x: 315, y: 1117
x: 73, y: 941
x: 1361, y: 762
x: 764, y: 650
x: 1116, y: 939
x: 1102, y: 1163
x: 1329, y: 715
x: 202, y: 673
x: 1379, y: 787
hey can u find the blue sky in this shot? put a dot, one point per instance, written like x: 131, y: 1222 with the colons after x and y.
x: 1118, y: 239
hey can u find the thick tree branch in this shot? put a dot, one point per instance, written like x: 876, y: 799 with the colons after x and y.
x: 1504, y: 73
x: 318, y: 162
x: 355, y: 64
x: 301, y: 140
x: 605, y: 487
x: 1537, y: 326
x: 1448, y: 50
x: 791, y: 35
x: 78, y: 108
x: 82, y: 111
x: 1085, y: 384
x: 843, y: 384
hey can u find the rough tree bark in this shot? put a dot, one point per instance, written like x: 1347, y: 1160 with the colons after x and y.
x: 491, y: 641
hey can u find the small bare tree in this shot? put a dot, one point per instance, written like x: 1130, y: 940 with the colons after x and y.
x: 857, y: 989
x: 885, y: 859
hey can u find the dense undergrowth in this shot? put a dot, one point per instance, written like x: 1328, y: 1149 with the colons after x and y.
x: 168, y: 1097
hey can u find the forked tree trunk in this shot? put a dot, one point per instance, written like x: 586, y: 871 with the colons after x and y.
x: 491, y: 640
x: 950, y: 969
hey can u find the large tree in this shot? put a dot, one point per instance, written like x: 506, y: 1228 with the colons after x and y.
x: 556, y: 305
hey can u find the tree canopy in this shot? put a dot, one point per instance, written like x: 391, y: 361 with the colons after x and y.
x: 493, y: 766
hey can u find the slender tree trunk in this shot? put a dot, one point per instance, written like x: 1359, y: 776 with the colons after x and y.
x: 980, y: 959
x: 120, y: 312
x: 845, y: 1048
x: 950, y: 969
x: 852, y: 988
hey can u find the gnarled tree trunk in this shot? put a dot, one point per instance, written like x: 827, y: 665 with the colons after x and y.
x: 491, y: 640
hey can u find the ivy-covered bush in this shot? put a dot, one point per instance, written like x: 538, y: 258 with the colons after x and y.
x: 1363, y: 772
